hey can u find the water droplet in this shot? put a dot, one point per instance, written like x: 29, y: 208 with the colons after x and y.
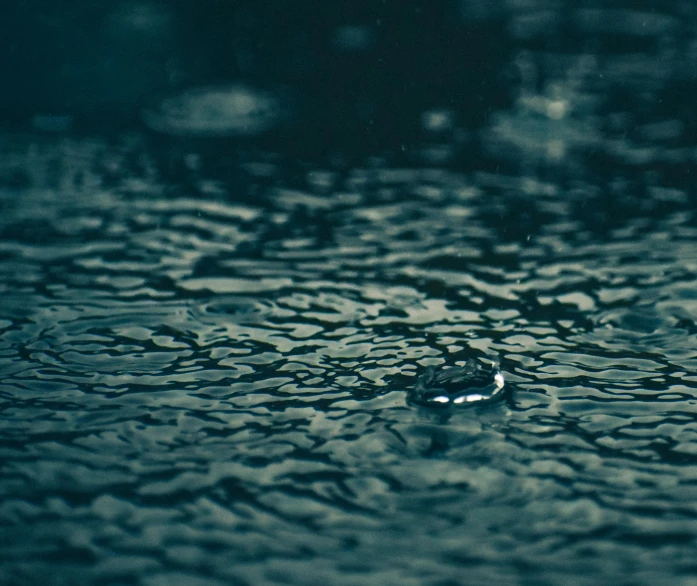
x: 476, y: 383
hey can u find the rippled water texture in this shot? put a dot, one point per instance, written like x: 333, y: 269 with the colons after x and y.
x: 205, y: 355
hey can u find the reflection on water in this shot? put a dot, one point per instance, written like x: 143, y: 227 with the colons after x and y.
x: 206, y: 350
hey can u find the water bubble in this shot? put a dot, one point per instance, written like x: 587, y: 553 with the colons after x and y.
x: 476, y: 383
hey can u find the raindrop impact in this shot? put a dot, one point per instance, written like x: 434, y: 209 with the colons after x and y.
x: 476, y: 383
x: 225, y: 110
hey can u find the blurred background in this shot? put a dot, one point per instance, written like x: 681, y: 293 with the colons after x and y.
x: 361, y: 73
x: 364, y: 75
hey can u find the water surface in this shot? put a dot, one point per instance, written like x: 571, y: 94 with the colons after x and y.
x: 206, y: 348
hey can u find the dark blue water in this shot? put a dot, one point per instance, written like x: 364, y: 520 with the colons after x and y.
x: 207, y: 344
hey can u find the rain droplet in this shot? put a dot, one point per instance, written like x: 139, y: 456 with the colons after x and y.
x: 476, y: 383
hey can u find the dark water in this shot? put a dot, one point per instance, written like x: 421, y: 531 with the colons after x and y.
x: 206, y: 344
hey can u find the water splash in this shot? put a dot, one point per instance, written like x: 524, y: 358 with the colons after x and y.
x: 225, y: 110
x: 476, y: 383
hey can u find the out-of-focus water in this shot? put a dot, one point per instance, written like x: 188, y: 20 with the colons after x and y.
x: 206, y: 347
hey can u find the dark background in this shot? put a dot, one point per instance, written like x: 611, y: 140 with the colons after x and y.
x: 352, y: 73
x: 355, y: 67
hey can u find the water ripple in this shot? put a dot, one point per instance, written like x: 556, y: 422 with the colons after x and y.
x: 206, y: 382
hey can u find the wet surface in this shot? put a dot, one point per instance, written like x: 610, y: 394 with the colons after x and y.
x: 207, y: 347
